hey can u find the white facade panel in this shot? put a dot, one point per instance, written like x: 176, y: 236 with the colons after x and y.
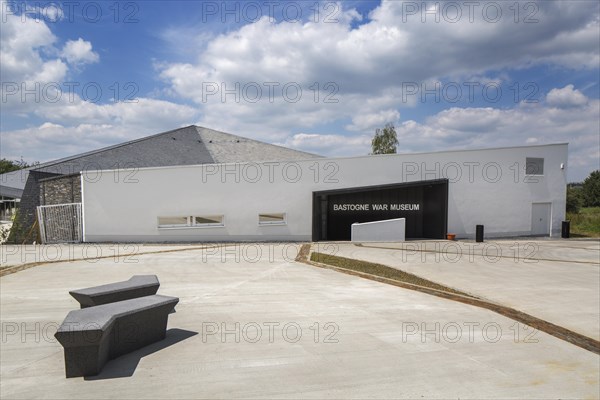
x: 391, y: 230
x: 487, y: 187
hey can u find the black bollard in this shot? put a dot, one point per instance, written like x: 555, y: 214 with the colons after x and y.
x: 479, y: 233
x: 566, y: 230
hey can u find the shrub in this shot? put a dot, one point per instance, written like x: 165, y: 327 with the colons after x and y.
x: 574, y: 199
x: 591, y: 190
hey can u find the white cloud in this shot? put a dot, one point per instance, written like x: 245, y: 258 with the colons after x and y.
x: 51, y: 71
x: 21, y: 43
x: 371, y: 121
x: 387, y: 50
x: 31, y: 60
x: 139, y: 112
x: 369, y: 64
x: 330, y: 144
x: 79, y: 52
x: 50, y: 125
x: 566, y: 97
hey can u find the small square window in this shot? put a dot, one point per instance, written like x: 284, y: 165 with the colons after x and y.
x: 208, y: 220
x: 271, y: 219
x: 172, y: 221
x: 534, y: 166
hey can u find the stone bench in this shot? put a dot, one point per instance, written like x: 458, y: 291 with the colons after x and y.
x: 136, y: 286
x: 92, y: 336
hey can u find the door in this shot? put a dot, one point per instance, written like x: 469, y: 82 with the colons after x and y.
x: 540, y: 219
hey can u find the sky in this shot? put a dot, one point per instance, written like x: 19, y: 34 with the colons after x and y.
x: 314, y: 76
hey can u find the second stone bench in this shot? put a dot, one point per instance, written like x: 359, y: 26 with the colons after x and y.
x: 134, y: 287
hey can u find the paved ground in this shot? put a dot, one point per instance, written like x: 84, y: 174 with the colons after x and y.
x: 358, y: 338
x: 14, y: 255
x: 565, y: 291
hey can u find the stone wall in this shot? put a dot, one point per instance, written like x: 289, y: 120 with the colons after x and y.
x: 21, y: 231
x: 60, y: 190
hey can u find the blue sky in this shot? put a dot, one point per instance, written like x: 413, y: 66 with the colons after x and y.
x: 448, y: 74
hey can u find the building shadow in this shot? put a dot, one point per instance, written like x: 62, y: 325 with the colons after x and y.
x: 125, y: 365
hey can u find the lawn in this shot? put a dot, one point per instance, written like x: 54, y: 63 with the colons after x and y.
x: 586, y: 223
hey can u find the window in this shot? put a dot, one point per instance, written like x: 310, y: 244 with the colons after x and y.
x: 534, y: 166
x: 271, y: 219
x: 172, y: 221
x: 210, y: 220
x: 189, y: 222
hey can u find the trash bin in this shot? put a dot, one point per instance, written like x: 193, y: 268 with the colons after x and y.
x: 566, y: 230
x: 479, y: 233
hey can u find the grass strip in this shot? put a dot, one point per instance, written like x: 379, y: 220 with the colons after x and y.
x: 380, y: 270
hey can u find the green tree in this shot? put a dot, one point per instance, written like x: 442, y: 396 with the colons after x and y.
x: 574, y: 199
x: 385, y: 140
x: 591, y: 190
x: 9, y: 166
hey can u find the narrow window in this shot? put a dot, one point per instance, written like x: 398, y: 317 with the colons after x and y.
x: 534, y: 166
x: 169, y: 222
x: 208, y: 220
x: 271, y: 219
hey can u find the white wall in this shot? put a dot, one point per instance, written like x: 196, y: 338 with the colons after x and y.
x: 486, y: 187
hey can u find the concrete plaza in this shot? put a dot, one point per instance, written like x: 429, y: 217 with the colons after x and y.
x: 253, y: 323
x: 555, y: 280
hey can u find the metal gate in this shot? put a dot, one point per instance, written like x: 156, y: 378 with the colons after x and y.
x: 60, y: 223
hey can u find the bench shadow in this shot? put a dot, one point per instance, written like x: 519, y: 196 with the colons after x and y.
x: 125, y: 365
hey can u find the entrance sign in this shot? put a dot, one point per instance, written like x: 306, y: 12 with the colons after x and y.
x: 376, y: 207
x: 423, y: 204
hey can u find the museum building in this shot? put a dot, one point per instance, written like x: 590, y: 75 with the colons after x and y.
x: 204, y: 186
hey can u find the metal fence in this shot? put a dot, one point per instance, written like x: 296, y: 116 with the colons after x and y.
x: 60, y: 223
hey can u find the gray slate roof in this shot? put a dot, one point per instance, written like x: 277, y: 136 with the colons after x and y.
x: 191, y: 145
x: 226, y: 148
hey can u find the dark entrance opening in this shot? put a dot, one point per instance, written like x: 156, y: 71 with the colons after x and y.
x: 424, y: 204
